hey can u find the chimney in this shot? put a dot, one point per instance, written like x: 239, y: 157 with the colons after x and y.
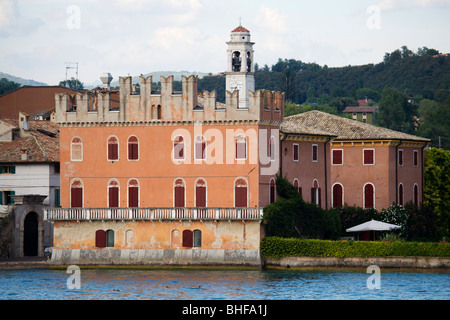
x: 106, y: 80
x: 24, y: 123
x: 24, y: 154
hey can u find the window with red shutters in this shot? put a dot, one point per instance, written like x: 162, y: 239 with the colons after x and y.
x: 100, y: 238
x: 295, y: 150
x: 113, y: 148
x: 133, y: 193
x: 240, y: 193
x: 369, y: 156
x: 179, y: 193
x: 272, y: 191
x: 241, y: 147
x: 400, y: 157
x: 369, y: 193
x: 133, y: 148
x: 76, y: 194
x: 188, y: 239
x: 200, y: 193
x: 337, y: 196
x: 315, y: 155
x: 178, y: 148
x: 337, y: 157
x: 200, y: 148
x: 416, y: 158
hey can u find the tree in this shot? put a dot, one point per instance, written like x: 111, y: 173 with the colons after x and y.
x: 7, y: 86
x: 72, y: 84
x: 394, y: 111
x: 434, y: 122
x: 437, y: 187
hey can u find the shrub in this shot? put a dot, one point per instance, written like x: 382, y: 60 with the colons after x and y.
x: 277, y: 247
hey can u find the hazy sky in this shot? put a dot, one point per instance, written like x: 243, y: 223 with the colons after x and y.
x: 123, y: 37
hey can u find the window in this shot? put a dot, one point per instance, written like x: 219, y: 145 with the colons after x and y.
x: 338, y: 195
x: 297, y: 186
x: 113, y: 148
x: 315, y: 155
x: 415, y: 158
x: 272, y: 148
x: 133, y: 193
x: 272, y: 191
x: 113, y: 194
x: 295, y: 150
x: 369, y: 196
x: 179, y: 193
x: 400, y: 157
x: 192, y: 239
x: 197, y: 238
x: 200, y: 193
x: 416, y: 195
x: 159, y: 112
x: 200, y: 148
x: 240, y: 193
x: 76, y: 194
x: 104, y: 238
x: 369, y: 156
x: 400, y: 194
x: 7, y: 169
x: 76, y: 149
x: 178, y: 148
x: 241, y: 147
x: 337, y: 158
x: 133, y: 148
x: 188, y: 238
x: 5, y: 197
x: 316, y: 193
x: 57, y: 200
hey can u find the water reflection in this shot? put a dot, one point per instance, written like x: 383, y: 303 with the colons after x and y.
x: 220, y: 284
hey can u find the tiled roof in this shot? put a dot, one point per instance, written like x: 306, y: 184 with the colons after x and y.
x: 41, y: 146
x: 317, y: 122
x: 240, y: 29
x: 367, y: 109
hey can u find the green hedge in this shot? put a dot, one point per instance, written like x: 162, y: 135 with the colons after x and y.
x: 276, y: 247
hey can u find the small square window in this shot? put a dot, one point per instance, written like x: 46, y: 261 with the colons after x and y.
x: 295, y: 150
x: 369, y: 156
x: 337, y: 157
x: 315, y: 155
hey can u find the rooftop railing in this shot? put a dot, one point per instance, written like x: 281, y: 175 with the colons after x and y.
x: 103, y: 214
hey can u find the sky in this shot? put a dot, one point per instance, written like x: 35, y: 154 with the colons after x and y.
x: 40, y: 39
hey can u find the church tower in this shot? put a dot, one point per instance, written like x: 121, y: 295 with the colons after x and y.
x: 240, y: 71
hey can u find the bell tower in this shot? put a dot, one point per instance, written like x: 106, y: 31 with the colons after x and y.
x: 240, y: 73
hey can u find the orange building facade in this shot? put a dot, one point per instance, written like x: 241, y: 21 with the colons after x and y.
x: 165, y: 177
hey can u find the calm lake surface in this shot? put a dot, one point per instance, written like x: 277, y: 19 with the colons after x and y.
x: 193, y: 284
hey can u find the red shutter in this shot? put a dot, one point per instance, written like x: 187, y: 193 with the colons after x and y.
x: 337, y: 196
x: 179, y: 197
x: 400, y: 194
x: 320, y: 197
x: 416, y: 158
x: 314, y: 153
x: 100, y: 238
x: 187, y: 238
x: 200, y: 196
x: 272, y: 191
x: 76, y: 197
x: 240, y: 195
x: 337, y: 156
x: 416, y: 196
x: 133, y: 197
x: 295, y: 152
x: 368, y: 196
x: 368, y: 157
x: 400, y: 157
x: 113, y: 197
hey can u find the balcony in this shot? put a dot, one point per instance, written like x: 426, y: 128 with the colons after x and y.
x: 152, y: 214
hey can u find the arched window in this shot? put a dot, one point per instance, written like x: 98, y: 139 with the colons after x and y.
x: 133, y: 148
x: 159, y: 112
x: 416, y: 195
x: 400, y: 194
x: 178, y: 148
x: 315, y: 193
x: 240, y: 193
x: 197, y: 234
x: 129, y: 238
x: 236, y: 61
x: 200, y: 193
x: 272, y: 191
x: 113, y: 148
x: 104, y: 238
x: 76, y: 149
x: 200, y: 148
x: 369, y: 196
x: 76, y: 194
x: 113, y: 194
x: 187, y: 239
x: 110, y: 238
x: 178, y: 193
x: 241, y: 147
x: 297, y: 186
x: 133, y: 193
x: 338, y: 195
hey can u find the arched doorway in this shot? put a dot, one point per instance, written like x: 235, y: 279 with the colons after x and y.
x: 31, y: 234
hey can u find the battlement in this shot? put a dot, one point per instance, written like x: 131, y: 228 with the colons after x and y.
x: 167, y: 105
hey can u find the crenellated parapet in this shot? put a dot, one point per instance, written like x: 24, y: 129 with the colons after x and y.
x: 125, y: 105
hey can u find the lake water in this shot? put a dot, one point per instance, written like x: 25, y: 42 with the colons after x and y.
x: 193, y: 284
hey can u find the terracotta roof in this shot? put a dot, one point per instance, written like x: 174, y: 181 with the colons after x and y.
x: 317, y: 122
x: 240, y: 29
x: 41, y: 142
x: 367, y: 109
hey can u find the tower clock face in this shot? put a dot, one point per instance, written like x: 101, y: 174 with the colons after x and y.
x: 236, y: 85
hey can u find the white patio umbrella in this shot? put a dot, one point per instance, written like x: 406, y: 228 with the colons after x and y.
x: 373, y: 225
